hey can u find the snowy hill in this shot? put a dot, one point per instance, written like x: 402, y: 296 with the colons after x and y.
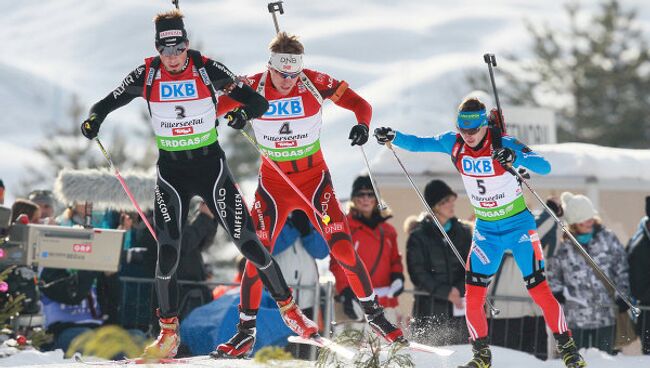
x: 408, y: 58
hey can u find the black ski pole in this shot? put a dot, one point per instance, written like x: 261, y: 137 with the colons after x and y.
x: 491, y: 61
x: 175, y: 2
x: 493, y: 310
x: 273, y: 8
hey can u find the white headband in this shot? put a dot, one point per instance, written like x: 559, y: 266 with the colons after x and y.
x: 286, y: 63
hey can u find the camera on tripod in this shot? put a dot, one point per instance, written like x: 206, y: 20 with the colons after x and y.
x: 59, y: 247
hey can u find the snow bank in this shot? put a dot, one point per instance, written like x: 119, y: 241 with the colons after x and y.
x: 503, y: 358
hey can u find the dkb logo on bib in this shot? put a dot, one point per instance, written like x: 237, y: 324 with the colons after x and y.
x: 285, y: 108
x: 181, y: 90
x: 481, y: 166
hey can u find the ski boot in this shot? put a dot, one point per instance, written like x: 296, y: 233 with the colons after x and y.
x: 482, y: 355
x: 240, y: 345
x: 296, y: 320
x: 166, y: 345
x: 382, y: 326
x: 569, y: 351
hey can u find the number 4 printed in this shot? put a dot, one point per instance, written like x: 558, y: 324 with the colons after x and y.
x: 284, y: 129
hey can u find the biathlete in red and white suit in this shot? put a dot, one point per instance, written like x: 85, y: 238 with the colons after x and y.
x: 289, y: 134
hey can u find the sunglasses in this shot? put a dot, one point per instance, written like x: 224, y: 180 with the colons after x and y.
x: 472, y: 131
x: 172, y: 50
x: 286, y: 75
x: 365, y: 194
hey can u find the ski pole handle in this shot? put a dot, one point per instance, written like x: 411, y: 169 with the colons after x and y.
x: 273, y: 8
x: 491, y: 61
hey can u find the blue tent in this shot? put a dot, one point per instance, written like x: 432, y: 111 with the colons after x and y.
x: 215, y: 323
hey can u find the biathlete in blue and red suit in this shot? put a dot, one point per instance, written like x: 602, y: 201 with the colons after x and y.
x: 503, y: 221
x: 289, y: 134
x: 179, y: 86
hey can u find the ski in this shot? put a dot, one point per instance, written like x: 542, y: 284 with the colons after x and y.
x: 416, y: 346
x: 189, y: 360
x: 325, y: 343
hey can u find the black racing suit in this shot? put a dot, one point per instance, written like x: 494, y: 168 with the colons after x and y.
x: 203, y: 172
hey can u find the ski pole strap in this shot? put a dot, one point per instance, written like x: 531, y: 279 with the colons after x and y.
x: 153, y: 70
x: 197, y: 59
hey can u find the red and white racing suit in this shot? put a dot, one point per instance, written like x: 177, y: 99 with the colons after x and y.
x: 289, y: 133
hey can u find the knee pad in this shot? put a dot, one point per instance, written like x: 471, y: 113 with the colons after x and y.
x: 535, y: 279
x: 255, y: 252
x: 168, y: 259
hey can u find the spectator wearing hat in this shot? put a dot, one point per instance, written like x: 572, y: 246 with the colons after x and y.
x: 590, y: 307
x: 25, y: 211
x: 375, y: 240
x: 639, y: 258
x: 45, y: 200
x: 434, y: 268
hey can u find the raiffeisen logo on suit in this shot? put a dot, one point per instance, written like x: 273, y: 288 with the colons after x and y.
x: 285, y: 108
x: 481, y: 166
x: 178, y: 90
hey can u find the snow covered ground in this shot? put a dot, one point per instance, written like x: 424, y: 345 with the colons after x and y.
x: 503, y: 358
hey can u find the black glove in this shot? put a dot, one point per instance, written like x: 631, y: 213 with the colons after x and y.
x: 347, y: 299
x: 505, y: 156
x: 559, y: 296
x: 358, y: 135
x: 301, y: 223
x: 384, y: 135
x: 555, y: 207
x: 90, y: 126
x: 237, y: 118
x: 622, y: 306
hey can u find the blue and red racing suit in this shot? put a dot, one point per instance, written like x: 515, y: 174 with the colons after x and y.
x: 503, y: 221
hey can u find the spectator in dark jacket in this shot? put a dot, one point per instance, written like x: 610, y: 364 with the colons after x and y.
x: 639, y: 258
x: 434, y: 268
